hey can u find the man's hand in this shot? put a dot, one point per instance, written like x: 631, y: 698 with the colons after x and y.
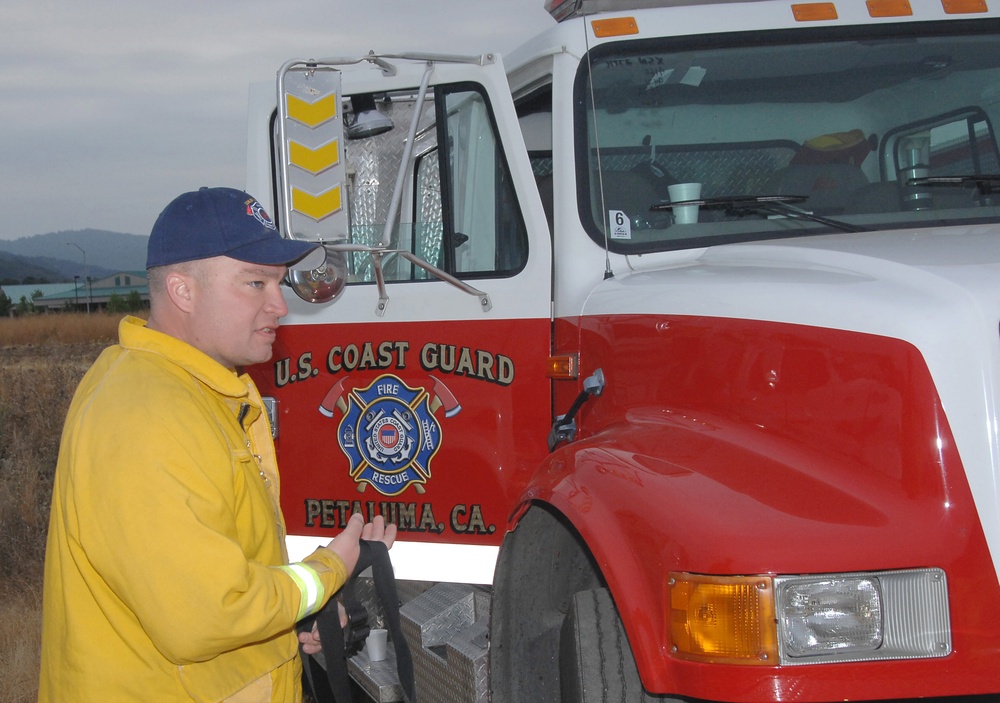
x: 310, y: 640
x: 346, y: 543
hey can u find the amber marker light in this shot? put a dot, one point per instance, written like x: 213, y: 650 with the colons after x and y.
x: 723, y: 619
x: 963, y: 7
x: 614, y: 27
x: 889, y: 8
x: 814, y: 11
x: 561, y: 367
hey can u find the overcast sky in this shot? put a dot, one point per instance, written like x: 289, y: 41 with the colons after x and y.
x: 110, y: 108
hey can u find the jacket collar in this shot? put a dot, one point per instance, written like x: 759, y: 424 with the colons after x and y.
x: 133, y: 334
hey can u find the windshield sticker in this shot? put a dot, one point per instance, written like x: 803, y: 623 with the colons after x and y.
x: 694, y: 76
x: 659, y: 78
x: 621, y: 225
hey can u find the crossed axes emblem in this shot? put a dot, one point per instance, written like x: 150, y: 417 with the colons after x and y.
x: 441, y: 397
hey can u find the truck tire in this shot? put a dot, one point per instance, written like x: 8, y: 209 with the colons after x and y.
x: 595, y: 660
x: 542, y: 564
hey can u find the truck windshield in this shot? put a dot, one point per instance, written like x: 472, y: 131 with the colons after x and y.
x: 788, y: 134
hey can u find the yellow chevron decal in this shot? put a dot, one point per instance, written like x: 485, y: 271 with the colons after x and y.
x: 316, y: 206
x: 312, y: 114
x: 314, y: 160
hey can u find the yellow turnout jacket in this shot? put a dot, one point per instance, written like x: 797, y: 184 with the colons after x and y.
x: 165, y: 572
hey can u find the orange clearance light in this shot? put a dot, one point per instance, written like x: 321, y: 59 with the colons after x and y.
x: 963, y: 7
x: 814, y: 11
x: 561, y: 367
x: 726, y: 619
x: 889, y: 8
x: 614, y: 27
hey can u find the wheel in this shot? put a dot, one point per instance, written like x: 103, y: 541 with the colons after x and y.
x: 595, y: 660
x: 541, y: 565
x: 555, y: 635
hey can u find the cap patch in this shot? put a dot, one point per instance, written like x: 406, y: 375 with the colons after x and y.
x: 257, y: 211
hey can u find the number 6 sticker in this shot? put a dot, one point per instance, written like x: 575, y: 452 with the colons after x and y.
x: 621, y: 226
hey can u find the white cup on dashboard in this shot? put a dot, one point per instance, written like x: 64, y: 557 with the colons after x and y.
x: 679, y: 192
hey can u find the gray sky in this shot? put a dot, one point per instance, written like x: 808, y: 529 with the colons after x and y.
x: 110, y: 108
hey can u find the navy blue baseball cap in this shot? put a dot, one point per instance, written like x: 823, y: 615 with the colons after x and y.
x: 225, y: 222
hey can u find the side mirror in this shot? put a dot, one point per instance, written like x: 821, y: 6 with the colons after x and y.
x: 323, y: 284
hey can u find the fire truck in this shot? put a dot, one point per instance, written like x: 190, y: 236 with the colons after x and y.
x: 670, y: 342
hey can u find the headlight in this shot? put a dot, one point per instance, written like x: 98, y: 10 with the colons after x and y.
x: 831, y: 615
x: 860, y: 617
x: 810, y: 619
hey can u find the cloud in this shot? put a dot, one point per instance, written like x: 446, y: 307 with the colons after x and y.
x: 110, y: 109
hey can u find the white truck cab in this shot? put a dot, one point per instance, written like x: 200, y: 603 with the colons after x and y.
x: 670, y: 342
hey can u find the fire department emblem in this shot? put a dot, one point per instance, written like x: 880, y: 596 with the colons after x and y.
x: 256, y: 210
x: 389, y: 431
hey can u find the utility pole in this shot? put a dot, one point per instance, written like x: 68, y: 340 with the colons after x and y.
x: 86, y: 269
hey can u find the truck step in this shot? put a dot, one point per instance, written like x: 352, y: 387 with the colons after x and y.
x: 447, y: 629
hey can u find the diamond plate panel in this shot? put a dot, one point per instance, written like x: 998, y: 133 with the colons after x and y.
x: 447, y: 629
x: 372, y: 165
x: 746, y: 171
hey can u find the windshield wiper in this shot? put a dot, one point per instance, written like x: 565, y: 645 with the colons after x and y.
x: 986, y: 183
x: 741, y: 205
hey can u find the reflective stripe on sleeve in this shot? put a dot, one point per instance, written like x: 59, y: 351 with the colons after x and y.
x: 311, y: 589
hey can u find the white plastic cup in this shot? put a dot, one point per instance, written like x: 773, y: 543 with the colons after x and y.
x: 679, y: 192
x: 376, y: 644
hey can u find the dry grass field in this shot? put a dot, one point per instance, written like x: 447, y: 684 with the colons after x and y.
x: 42, y: 358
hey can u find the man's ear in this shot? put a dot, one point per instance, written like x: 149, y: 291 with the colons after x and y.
x: 180, y: 290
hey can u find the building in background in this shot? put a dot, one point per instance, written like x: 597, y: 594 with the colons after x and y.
x: 82, y: 294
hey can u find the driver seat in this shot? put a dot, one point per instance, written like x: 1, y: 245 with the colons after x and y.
x: 826, y: 169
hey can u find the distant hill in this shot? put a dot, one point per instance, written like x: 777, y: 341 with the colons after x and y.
x: 53, y: 257
x: 17, y: 269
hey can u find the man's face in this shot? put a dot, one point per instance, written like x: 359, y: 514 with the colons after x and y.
x: 236, y: 310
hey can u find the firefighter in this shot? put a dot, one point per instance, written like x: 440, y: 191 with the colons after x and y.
x: 166, y: 576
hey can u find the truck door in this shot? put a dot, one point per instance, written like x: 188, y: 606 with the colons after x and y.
x: 420, y: 392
